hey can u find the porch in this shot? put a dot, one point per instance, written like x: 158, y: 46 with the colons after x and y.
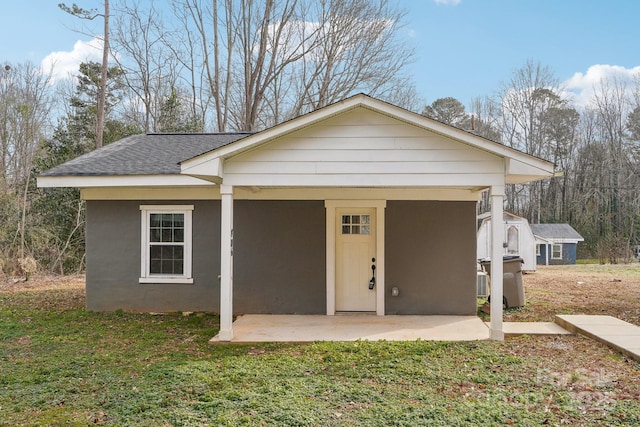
x: 253, y: 328
x: 353, y: 327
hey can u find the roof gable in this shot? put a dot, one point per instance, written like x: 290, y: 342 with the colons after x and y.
x: 517, y: 166
x: 360, y: 147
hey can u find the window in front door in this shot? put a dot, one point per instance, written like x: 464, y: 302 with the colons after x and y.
x: 356, y: 224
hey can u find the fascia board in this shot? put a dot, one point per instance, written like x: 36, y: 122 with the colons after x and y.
x: 74, y: 181
x: 559, y: 240
x: 516, y: 167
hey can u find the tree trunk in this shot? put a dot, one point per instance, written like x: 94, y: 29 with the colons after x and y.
x: 102, y: 93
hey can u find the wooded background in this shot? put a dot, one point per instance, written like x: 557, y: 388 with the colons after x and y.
x: 230, y: 65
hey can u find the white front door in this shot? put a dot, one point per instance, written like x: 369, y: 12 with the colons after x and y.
x: 355, y: 256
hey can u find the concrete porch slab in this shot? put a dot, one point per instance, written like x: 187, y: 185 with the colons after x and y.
x: 308, y: 328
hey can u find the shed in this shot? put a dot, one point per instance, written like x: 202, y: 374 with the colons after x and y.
x: 556, y: 244
x: 519, y: 239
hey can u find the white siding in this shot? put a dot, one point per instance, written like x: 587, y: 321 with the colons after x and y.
x: 526, y: 241
x: 363, y: 148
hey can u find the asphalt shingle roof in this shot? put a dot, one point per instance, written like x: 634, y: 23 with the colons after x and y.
x: 555, y: 231
x: 151, y: 154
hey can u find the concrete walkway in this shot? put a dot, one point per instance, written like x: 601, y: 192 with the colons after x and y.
x: 514, y: 329
x: 308, y: 328
x: 616, y: 333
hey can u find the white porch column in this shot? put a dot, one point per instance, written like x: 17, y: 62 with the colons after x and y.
x: 226, y: 264
x: 497, y: 250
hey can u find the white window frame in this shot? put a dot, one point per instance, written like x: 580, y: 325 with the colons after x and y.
x: 538, y: 250
x: 553, y: 252
x: 145, y: 215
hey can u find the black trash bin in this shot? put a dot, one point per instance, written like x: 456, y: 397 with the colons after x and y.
x: 512, y: 287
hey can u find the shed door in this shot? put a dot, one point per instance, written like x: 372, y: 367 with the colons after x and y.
x: 513, y: 240
x: 355, y: 254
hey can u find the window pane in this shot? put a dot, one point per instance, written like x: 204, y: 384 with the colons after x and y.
x: 346, y: 229
x: 155, y: 267
x: 355, y: 219
x: 155, y: 252
x: 364, y: 219
x: 178, y: 252
x: 166, y: 259
x: 167, y: 220
x: 355, y: 229
x: 154, y: 220
x: 177, y: 267
x: 364, y: 229
x: 178, y: 235
x: 154, y: 235
x: 346, y: 219
x: 167, y: 235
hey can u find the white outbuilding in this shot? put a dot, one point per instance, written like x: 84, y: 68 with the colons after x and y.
x: 519, y: 239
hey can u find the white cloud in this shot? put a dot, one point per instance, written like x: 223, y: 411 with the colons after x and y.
x: 65, y: 64
x: 448, y: 2
x: 582, y: 87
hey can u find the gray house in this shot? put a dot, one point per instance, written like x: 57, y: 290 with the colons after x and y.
x: 556, y: 244
x: 360, y: 206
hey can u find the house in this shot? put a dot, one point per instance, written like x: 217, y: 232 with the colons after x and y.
x: 556, y: 244
x: 360, y: 206
x: 518, y: 236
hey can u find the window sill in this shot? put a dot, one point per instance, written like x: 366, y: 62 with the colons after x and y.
x: 176, y: 280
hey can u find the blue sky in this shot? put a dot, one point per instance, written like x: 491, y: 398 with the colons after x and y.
x: 464, y: 48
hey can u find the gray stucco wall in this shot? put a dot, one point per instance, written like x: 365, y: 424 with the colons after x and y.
x: 430, y: 250
x: 113, y: 260
x: 279, y: 256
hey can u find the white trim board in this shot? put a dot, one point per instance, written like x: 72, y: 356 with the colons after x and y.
x: 120, y: 181
x: 212, y: 192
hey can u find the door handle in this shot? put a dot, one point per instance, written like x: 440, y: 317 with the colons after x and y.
x: 372, y: 282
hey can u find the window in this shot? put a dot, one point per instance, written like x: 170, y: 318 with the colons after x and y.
x: 166, y: 244
x: 538, y: 253
x: 556, y: 251
x: 513, y: 240
x: 356, y: 224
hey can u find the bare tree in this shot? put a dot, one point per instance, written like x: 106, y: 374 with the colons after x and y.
x: 81, y: 13
x: 264, y: 62
x: 150, y: 69
x: 525, y: 99
x: 25, y: 96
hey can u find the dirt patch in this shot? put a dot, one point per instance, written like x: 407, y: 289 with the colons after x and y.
x: 42, y: 283
x: 55, y: 293
x: 612, y: 290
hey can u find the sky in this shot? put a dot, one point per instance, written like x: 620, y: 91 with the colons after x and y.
x: 463, y: 48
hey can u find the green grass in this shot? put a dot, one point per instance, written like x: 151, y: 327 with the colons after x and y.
x: 61, y: 365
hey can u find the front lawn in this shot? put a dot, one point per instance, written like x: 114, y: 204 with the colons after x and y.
x: 61, y: 365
